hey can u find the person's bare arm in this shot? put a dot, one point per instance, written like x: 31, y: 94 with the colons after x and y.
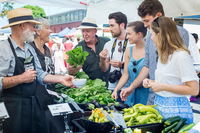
x: 135, y: 84
x: 188, y: 88
x: 62, y: 79
x: 26, y: 77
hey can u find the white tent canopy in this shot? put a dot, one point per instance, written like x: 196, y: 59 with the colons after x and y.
x: 176, y: 8
x: 100, y: 9
x: 74, y: 4
x: 63, y: 32
x: 172, y: 8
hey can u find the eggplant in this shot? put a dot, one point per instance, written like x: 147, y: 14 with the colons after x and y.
x: 97, y: 105
x: 121, y: 106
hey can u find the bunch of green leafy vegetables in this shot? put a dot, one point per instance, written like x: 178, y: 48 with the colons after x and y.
x: 94, y: 90
x: 77, y: 57
x: 81, y: 75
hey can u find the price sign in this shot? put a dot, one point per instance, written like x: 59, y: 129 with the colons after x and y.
x: 3, y: 111
x: 60, y: 109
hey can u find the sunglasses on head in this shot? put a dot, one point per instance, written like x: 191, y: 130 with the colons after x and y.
x: 134, y: 64
x: 156, y: 22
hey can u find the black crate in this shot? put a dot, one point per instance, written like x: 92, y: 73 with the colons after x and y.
x: 77, y: 128
x: 1, y: 124
x: 154, y: 128
x: 93, y: 127
x: 76, y: 115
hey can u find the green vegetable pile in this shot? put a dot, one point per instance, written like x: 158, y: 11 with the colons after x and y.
x: 176, y: 124
x: 81, y: 75
x: 77, y: 57
x: 94, y: 90
x: 141, y: 114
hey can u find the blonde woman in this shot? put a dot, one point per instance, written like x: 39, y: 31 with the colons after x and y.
x: 175, y: 76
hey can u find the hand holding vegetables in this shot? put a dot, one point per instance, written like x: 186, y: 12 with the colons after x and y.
x: 155, y: 86
x: 73, y: 71
x: 147, y: 83
x: 67, y: 81
x: 114, y: 95
x: 77, y: 56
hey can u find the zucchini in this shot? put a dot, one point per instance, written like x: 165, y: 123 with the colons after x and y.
x: 186, y: 128
x: 171, y: 120
x: 167, y: 129
x: 179, y: 125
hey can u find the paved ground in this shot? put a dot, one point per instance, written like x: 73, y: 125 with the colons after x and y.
x: 196, y: 110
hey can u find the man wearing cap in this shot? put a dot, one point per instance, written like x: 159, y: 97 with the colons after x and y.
x: 93, y: 45
x: 20, y: 72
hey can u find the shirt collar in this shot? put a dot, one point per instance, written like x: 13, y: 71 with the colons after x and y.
x: 15, y: 46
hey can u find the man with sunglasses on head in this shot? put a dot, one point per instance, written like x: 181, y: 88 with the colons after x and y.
x: 149, y: 10
x: 112, y: 57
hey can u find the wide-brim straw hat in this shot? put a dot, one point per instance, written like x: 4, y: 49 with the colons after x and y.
x: 19, y: 16
x: 88, y: 23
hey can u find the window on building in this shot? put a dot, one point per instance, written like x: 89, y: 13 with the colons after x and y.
x: 76, y: 17
x: 63, y: 19
x: 67, y: 17
x: 59, y: 19
x: 71, y: 16
x: 80, y: 12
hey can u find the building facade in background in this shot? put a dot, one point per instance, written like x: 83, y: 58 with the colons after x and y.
x: 70, y: 19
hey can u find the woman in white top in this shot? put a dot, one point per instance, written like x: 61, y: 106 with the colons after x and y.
x: 175, y: 76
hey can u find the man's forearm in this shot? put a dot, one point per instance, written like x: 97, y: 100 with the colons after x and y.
x: 8, y: 82
x: 139, y: 79
x: 53, y: 78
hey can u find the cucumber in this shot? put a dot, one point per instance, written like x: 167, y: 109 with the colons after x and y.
x: 186, y: 128
x: 179, y: 125
x: 171, y: 120
x: 167, y: 129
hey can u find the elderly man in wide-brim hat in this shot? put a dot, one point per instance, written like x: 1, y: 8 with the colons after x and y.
x: 93, y: 45
x: 20, y: 72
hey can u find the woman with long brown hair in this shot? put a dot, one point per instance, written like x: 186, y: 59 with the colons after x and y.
x: 175, y: 76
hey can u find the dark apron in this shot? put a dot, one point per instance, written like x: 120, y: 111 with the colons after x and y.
x: 23, y: 108
x: 55, y: 124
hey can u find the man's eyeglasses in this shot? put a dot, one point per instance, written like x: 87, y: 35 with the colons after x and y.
x: 120, y: 47
x: 134, y: 64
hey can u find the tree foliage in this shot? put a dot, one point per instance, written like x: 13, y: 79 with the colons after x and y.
x: 38, y: 12
x: 5, y: 7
